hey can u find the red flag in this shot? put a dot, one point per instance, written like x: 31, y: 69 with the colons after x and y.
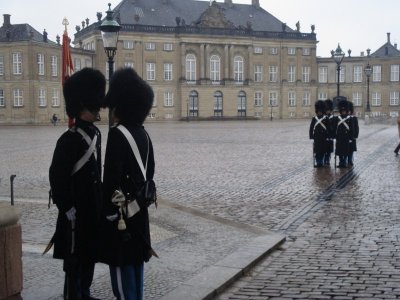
x: 67, y: 66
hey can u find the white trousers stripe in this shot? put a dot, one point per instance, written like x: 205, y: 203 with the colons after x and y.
x: 119, y: 283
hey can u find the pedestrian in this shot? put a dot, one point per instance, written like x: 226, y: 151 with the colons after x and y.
x: 396, y: 151
x: 319, y: 133
x: 75, y: 180
x: 125, y: 250
x: 330, y: 140
x: 355, y: 132
x: 343, y: 133
x: 54, y: 119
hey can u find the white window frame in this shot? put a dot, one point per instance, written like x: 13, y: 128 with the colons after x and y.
x: 151, y: 71
x: 376, y: 73
x: 150, y: 46
x: 129, y: 64
x: 258, y: 50
x: 18, y: 98
x: 291, y: 50
x: 128, y: 44
x: 376, y: 99
x: 322, y: 96
x: 273, y: 50
x: 2, y: 99
x: 357, y: 73
x: 77, y: 64
x: 306, y: 98
x: 238, y: 68
x: 291, y: 73
x: 191, y: 67
x: 323, y: 74
x: 40, y: 62
x: 357, y: 99
x: 168, y: 47
x: 1, y: 65
x: 167, y: 71
x: 168, y: 99
x: 55, y: 98
x: 306, y: 51
x: 342, y: 74
x: 88, y: 63
x: 215, y: 68
x: 273, y: 73
x: 394, y: 72
x: 273, y: 98
x: 42, y: 97
x: 258, y: 98
x: 258, y: 73
x: 306, y: 71
x: 17, y: 63
x: 54, y: 66
x: 394, y: 98
x: 292, y: 99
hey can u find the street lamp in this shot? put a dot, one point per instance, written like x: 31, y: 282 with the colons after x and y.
x: 338, y: 56
x: 368, y: 73
x: 109, y: 33
x: 270, y: 104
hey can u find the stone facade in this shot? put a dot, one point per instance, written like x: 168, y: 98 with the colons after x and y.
x: 218, y: 62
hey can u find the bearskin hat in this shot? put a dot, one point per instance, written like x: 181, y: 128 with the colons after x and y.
x: 343, y: 105
x: 129, y: 95
x: 329, y: 104
x: 351, y: 107
x: 320, y: 106
x: 85, y: 89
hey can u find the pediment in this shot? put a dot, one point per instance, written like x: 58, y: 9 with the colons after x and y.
x: 214, y: 17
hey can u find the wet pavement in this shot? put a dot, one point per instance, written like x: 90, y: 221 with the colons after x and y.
x: 223, y: 185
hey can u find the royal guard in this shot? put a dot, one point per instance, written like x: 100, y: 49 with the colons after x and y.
x: 343, y: 133
x: 329, y: 141
x: 319, y: 133
x: 75, y: 180
x: 355, y: 131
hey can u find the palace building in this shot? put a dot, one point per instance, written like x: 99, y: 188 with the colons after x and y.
x: 204, y: 60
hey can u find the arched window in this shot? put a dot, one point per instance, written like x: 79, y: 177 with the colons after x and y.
x: 194, y: 104
x: 241, y: 104
x: 215, y: 66
x: 238, y: 68
x: 218, y: 104
x: 190, y: 67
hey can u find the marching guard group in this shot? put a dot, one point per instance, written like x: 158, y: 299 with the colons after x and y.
x: 334, y: 134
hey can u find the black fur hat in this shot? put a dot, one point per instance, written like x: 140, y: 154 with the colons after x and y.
x: 320, y: 106
x: 329, y: 104
x: 343, y: 105
x: 351, y: 107
x: 85, y: 89
x: 130, y: 96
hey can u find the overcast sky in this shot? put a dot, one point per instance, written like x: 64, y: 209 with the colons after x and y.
x: 355, y: 24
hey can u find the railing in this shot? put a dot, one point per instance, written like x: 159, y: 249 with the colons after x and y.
x: 218, y: 31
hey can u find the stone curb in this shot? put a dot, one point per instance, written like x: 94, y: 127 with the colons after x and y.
x: 217, y: 277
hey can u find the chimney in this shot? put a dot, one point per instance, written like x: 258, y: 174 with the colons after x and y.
x: 362, y: 53
x: 395, y: 45
x: 7, y: 22
x: 388, y: 37
x: 255, y: 3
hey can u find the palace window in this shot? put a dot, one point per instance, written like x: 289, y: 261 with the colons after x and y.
x: 167, y: 71
x: 2, y: 100
x: 273, y: 73
x: 42, y: 97
x: 17, y: 63
x: 377, y: 73
x: 394, y: 72
x: 376, y: 99
x: 151, y: 71
x: 357, y: 73
x: 168, y: 99
x: 306, y: 99
x: 128, y: 44
x: 218, y: 104
x: 54, y: 66
x: 291, y: 73
x: 40, y: 62
x: 18, y: 98
x: 394, y: 98
x: 323, y: 74
x: 258, y: 98
x: 215, y: 66
x: 292, y: 99
x: 357, y: 99
x: 241, y: 104
x: 306, y: 74
x: 191, y: 67
x: 258, y: 72
x: 55, y: 99
x: 238, y: 68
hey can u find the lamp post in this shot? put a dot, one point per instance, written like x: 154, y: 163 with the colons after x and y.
x: 109, y: 33
x: 368, y: 73
x: 270, y: 104
x: 338, y: 56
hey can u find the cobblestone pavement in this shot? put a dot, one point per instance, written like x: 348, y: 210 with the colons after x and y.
x: 342, y: 224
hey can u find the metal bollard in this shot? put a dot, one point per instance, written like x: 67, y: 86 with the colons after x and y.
x: 12, y: 188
